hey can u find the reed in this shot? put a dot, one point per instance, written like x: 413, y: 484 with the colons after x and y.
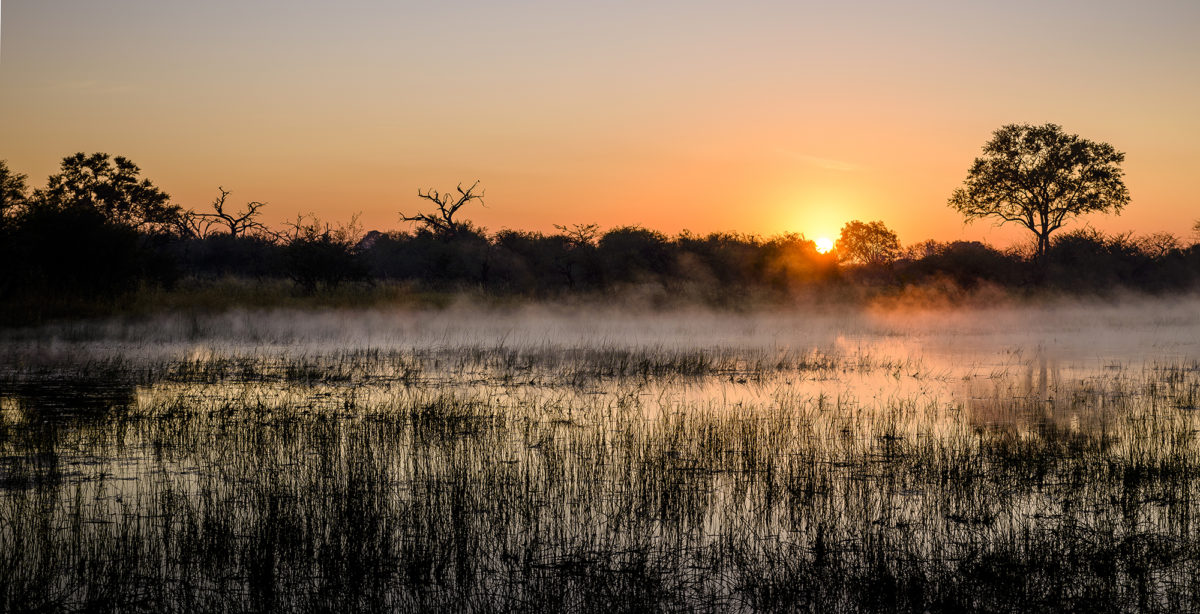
x: 495, y: 476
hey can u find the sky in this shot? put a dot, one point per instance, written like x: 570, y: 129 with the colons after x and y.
x: 757, y: 116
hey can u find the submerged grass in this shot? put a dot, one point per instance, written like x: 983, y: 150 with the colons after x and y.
x: 487, y: 478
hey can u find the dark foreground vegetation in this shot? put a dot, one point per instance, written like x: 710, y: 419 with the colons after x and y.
x: 503, y: 472
x: 98, y: 239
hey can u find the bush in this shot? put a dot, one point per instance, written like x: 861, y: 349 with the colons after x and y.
x: 633, y: 254
x: 77, y: 252
x: 966, y: 263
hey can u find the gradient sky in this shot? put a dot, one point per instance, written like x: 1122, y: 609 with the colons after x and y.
x: 763, y: 117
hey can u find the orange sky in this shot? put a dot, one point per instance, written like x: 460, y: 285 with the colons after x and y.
x: 767, y: 117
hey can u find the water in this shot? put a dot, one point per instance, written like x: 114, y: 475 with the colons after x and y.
x: 561, y: 458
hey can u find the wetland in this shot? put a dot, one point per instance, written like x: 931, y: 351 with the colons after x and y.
x: 1012, y: 457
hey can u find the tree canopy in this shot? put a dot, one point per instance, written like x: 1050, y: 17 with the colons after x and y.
x: 870, y: 243
x: 1040, y: 177
x: 12, y: 191
x: 95, y: 231
x: 112, y: 188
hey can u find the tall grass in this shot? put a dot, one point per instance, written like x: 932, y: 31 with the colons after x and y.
x: 541, y: 478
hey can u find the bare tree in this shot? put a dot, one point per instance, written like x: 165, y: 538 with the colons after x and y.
x: 239, y: 224
x: 309, y: 227
x: 442, y: 223
x: 580, y: 235
x: 1158, y: 244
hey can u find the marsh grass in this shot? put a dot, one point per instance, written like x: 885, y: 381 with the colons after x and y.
x: 499, y: 477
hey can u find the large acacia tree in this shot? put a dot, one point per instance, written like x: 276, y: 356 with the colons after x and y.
x: 1040, y: 177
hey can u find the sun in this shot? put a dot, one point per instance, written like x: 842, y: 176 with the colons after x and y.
x: 824, y: 244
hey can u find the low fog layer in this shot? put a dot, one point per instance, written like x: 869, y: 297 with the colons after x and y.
x: 1127, y: 330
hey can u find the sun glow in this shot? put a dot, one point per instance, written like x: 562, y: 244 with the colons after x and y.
x: 824, y: 244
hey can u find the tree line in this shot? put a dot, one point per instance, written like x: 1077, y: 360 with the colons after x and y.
x: 98, y: 229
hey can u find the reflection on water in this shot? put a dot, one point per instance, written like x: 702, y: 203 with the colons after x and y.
x: 537, y: 459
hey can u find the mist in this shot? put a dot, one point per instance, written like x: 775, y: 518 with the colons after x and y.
x: 1127, y: 329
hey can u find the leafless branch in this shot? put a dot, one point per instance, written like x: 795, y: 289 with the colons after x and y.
x: 579, y: 234
x: 239, y: 224
x: 442, y: 223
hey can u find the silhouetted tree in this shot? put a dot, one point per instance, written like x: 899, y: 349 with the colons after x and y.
x: 965, y: 262
x: 13, y: 193
x: 238, y: 224
x: 732, y: 260
x: 12, y: 203
x: 96, y: 229
x: 1039, y: 177
x: 318, y: 253
x: 869, y: 243
x: 579, y: 234
x: 442, y: 224
x: 576, y: 262
x: 1087, y: 259
x: 633, y: 253
x: 77, y: 252
x: 1158, y: 244
x: 792, y: 261
x: 528, y: 261
x: 111, y: 187
x: 925, y: 249
x: 221, y: 255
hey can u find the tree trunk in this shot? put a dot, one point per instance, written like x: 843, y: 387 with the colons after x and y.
x: 1042, y: 264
